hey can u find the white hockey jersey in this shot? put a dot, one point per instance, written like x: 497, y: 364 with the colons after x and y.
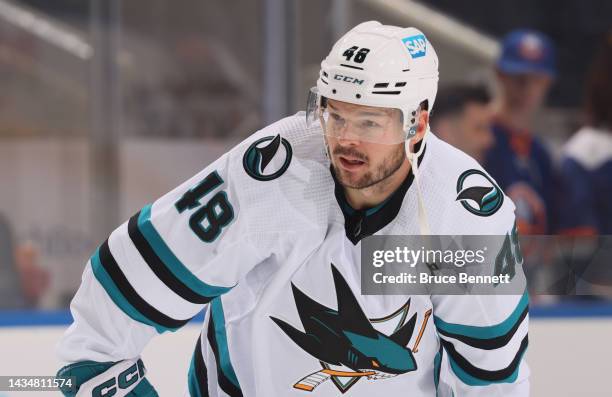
x: 264, y: 241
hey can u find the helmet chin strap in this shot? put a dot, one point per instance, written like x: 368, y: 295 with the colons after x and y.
x: 413, y: 158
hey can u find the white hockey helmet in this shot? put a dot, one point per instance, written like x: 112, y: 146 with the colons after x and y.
x: 381, y: 66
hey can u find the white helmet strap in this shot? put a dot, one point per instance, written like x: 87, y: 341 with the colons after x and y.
x: 413, y: 158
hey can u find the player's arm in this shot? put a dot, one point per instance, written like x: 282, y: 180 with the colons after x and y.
x: 152, y: 275
x: 484, y: 337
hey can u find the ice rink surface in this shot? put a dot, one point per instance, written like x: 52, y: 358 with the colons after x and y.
x: 568, y: 356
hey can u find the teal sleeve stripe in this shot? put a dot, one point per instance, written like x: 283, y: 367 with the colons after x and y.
x: 116, y: 296
x: 437, y: 367
x: 473, y: 381
x: 194, y: 388
x: 485, y: 332
x: 170, y: 260
x: 221, y: 337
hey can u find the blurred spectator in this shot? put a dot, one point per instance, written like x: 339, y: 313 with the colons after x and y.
x: 34, y: 279
x: 518, y: 160
x: 462, y: 117
x: 587, y: 162
x: 22, y: 280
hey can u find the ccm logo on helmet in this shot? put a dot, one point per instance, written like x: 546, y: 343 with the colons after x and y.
x: 416, y: 45
x: 348, y: 79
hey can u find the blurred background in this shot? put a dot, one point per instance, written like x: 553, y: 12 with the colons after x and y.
x: 108, y: 104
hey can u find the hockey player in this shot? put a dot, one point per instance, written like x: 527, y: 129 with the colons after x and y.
x: 267, y: 239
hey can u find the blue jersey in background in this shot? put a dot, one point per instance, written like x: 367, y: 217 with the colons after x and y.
x: 587, y: 183
x: 523, y: 168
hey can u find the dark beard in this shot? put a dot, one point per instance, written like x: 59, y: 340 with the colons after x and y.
x: 387, y: 168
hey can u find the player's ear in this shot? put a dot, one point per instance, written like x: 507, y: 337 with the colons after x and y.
x: 421, y: 129
x: 422, y: 125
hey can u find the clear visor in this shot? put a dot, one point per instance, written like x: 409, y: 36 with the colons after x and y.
x: 340, y: 120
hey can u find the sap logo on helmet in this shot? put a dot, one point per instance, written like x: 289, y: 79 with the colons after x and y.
x: 348, y: 79
x: 416, y: 45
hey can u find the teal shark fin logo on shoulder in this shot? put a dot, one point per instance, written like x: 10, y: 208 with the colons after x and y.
x: 478, y: 193
x: 267, y: 158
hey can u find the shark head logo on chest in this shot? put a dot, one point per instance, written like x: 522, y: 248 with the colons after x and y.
x: 345, y: 341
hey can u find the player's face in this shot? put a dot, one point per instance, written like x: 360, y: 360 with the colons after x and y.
x: 524, y: 92
x: 359, y: 163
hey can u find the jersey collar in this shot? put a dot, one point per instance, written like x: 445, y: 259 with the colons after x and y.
x: 359, y: 224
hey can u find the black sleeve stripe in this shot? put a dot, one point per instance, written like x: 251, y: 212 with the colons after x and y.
x: 130, y: 294
x: 158, y: 267
x: 488, y: 344
x: 225, y: 384
x: 201, y: 372
x: 492, y: 376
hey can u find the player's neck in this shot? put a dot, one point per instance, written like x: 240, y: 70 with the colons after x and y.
x: 374, y: 195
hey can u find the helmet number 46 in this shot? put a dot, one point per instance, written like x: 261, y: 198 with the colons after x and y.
x: 360, y: 56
